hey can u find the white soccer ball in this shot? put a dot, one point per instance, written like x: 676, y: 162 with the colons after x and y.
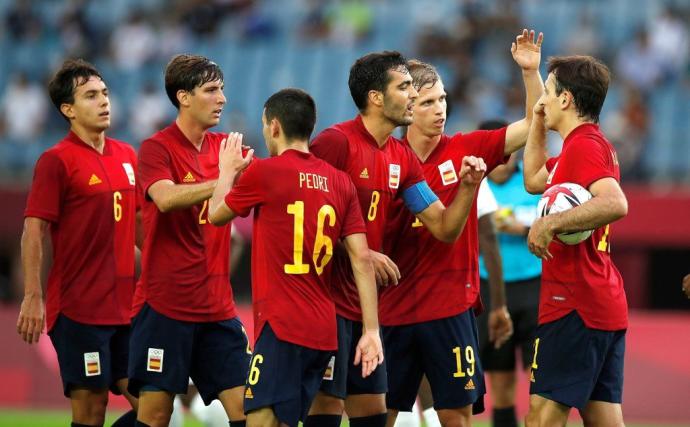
x: 562, y: 197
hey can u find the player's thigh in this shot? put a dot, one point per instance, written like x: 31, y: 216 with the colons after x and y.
x: 404, y: 363
x: 84, y: 354
x: 160, y: 353
x: 602, y: 414
x: 376, y: 382
x: 284, y: 377
x: 264, y: 417
x: 458, y: 417
x: 546, y: 413
x: 451, y: 361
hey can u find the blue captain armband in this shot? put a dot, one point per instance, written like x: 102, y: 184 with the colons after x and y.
x: 418, y: 197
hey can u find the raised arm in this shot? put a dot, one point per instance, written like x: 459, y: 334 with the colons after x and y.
x: 447, y: 223
x: 369, y: 348
x: 32, y: 313
x: 526, y: 52
x: 534, y: 160
x: 231, y: 162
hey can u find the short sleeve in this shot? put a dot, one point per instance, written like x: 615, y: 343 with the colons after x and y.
x: 486, y: 202
x: 247, y: 192
x: 331, y: 145
x: 47, y: 189
x: 488, y: 144
x: 415, y: 173
x: 551, y: 163
x: 589, y: 160
x: 154, y: 165
x: 354, y: 220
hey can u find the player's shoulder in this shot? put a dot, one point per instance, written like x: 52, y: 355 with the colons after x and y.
x: 215, y: 137
x: 589, y: 137
x: 120, y: 146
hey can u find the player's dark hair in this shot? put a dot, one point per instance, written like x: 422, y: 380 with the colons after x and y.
x: 371, y: 72
x: 72, y: 73
x: 295, y: 110
x: 187, y: 72
x: 586, y: 78
x: 423, y: 74
x: 492, y: 124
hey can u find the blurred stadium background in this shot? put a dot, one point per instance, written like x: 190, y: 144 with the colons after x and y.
x: 265, y: 45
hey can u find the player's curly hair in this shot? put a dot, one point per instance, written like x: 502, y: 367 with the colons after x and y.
x: 187, y: 72
x: 72, y: 73
x: 586, y: 78
x: 370, y: 72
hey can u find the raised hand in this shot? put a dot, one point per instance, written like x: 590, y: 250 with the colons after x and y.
x: 230, y: 155
x: 526, y: 51
x: 369, y: 352
x: 472, y: 170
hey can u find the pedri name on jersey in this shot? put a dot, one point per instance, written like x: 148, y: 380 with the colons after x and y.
x: 313, y: 181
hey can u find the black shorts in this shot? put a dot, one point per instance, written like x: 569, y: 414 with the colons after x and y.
x: 343, y: 378
x: 284, y: 376
x: 90, y: 356
x: 166, y: 352
x: 575, y: 364
x: 523, y: 305
x: 445, y: 350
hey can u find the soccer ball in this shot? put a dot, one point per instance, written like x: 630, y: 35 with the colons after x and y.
x: 562, y: 197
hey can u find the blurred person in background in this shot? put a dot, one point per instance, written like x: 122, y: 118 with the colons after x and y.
x: 83, y: 193
x: 24, y: 109
x: 686, y: 285
x: 517, y: 209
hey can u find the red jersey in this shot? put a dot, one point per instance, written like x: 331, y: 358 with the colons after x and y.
x: 185, y: 272
x: 89, y: 200
x: 582, y: 277
x: 438, y: 279
x: 302, y: 207
x: 380, y: 175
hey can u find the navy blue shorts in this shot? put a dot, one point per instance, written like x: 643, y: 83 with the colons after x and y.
x: 343, y: 378
x: 284, y: 376
x: 446, y: 351
x: 166, y: 352
x: 574, y: 364
x: 90, y: 356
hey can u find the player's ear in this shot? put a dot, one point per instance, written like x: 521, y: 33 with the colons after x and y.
x: 566, y: 99
x: 182, y: 97
x: 275, y: 128
x: 375, y: 97
x: 67, y: 110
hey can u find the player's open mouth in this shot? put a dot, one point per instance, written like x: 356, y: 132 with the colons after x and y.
x: 440, y: 122
x: 105, y: 114
x: 217, y: 112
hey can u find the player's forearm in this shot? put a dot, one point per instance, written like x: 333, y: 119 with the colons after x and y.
x: 488, y: 246
x: 216, y: 215
x: 535, y: 157
x: 454, y: 217
x: 534, y: 88
x: 32, y: 258
x: 595, y: 213
x: 183, y: 196
x: 363, y: 272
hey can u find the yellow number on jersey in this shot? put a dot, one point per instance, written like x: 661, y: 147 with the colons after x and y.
x: 417, y: 223
x: 375, y: 198
x: 117, y: 207
x: 536, y: 349
x: 469, y: 358
x: 604, y: 244
x: 321, y: 240
x: 204, y: 209
x: 254, y: 370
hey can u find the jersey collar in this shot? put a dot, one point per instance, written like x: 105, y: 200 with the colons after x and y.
x: 74, y: 138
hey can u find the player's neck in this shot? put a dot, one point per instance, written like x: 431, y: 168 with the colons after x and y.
x: 569, y: 124
x: 421, y: 144
x: 191, y: 129
x: 95, y: 139
x: 302, y: 146
x: 379, y: 127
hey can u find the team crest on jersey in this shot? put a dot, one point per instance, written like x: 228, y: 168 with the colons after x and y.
x: 447, y: 171
x: 393, y: 176
x: 328, y: 373
x: 92, y: 364
x: 553, y: 171
x: 154, y: 362
x: 129, y: 170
